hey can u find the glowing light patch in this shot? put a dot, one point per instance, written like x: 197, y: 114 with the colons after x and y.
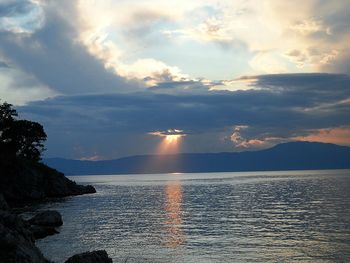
x: 173, y: 138
x: 170, y: 134
x: 171, y: 141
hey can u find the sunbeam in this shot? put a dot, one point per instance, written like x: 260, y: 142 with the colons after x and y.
x: 171, y: 141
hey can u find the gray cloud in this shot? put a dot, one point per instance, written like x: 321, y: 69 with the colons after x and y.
x: 92, y: 117
x: 20, y: 16
x: 286, y: 106
x: 52, y: 55
x: 11, y: 8
x: 4, y: 64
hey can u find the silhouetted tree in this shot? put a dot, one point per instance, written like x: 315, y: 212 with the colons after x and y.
x: 19, y: 138
x: 7, y: 113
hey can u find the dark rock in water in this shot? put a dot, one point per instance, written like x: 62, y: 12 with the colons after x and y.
x: 42, y: 231
x: 89, y: 189
x: 17, y: 242
x: 98, y: 256
x: 47, y: 218
x: 23, y: 182
x: 3, y: 203
x: 44, y: 223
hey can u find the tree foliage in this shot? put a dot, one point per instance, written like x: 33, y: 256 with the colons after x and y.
x: 19, y: 138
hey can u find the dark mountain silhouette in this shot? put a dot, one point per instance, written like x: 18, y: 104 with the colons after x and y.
x: 286, y: 156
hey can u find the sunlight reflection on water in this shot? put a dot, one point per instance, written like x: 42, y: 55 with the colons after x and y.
x: 221, y: 217
x: 174, y: 235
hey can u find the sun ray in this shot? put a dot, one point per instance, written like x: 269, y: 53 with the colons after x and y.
x: 171, y: 141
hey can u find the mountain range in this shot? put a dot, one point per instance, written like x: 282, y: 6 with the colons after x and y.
x: 285, y: 156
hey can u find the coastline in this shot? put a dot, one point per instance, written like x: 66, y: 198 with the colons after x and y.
x: 23, y: 184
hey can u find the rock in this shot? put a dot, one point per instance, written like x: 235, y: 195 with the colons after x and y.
x: 98, y: 256
x: 89, y: 189
x: 17, y: 242
x: 3, y: 203
x: 42, y: 231
x: 23, y: 182
x: 47, y: 218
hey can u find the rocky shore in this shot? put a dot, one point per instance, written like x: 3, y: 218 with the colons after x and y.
x: 23, y: 183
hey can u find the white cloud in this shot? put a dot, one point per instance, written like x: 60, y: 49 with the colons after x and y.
x: 280, y: 36
x: 268, y: 63
x: 275, y: 37
x: 18, y: 88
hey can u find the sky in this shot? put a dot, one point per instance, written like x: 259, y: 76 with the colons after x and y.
x: 114, y: 78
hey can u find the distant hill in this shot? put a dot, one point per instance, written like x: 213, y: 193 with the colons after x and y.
x: 286, y: 156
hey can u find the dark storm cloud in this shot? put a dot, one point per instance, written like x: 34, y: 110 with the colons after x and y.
x: 286, y: 106
x: 289, y: 101
x: 314, y: 87
x: 178, y: 87
x: 56, y: 59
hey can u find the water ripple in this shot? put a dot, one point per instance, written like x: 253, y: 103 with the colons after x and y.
x: 229, y: 217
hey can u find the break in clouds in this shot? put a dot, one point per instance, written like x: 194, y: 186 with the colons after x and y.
x: 102, y: 77
x: 216, y: 120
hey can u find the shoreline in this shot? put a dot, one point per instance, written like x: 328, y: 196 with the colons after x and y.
x: 23, y: 186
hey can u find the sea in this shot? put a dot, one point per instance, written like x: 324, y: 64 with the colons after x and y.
x: 279, y: 216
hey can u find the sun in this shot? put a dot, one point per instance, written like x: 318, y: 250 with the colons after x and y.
x: 172, y: 138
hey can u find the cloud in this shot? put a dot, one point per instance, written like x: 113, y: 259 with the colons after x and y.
x: 245, y: 137
x: 268, y: 62
x: 89, y: 49
x: 123, y: 69
x: 20, y: 16
x: 152, y: 71
x: 4, y: 64
x: 280, y: 36
x: 169, y: 132
x: 339, y: 135
x: 54, y: 59
x: 73, y: 56
x: 18, y: 87
x: 284, y: 107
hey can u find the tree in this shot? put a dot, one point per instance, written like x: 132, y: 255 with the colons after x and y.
x: 19, y: 138
x: 7, y: 114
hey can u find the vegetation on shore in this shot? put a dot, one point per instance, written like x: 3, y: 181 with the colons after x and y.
x: 19, y: 139
x: 24, y: 179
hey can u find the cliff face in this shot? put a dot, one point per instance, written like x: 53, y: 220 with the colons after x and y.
x: 24, y: 182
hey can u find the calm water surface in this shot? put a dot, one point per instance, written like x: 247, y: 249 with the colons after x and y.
x: 300, y: 216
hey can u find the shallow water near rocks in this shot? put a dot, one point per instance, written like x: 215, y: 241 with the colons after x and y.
x: 301, y: 216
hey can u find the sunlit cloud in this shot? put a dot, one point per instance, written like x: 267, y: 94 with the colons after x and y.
x: 171, y: 140
x: 98, y: 31
x: 136, y: 44
x: 309, y: 26
x: 171, y: 135
x: 241, y: 83
x: 130, y: 67
x: 254, y: 141
x: 339, y: 135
